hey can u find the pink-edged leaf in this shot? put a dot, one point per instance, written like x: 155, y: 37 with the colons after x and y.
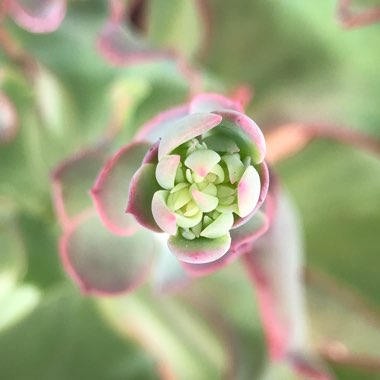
x: 309, y: 366
x: 111, y: 189
x: 245, y: 132
x: 168, y: 273
x: 162, y: 215
x: 119, y: 45
x: 161, y: 124
x: 247, y: 233
x: 38, y: 16
x: 210, y: 102
x: 102, y: 263
x: 8, y: 120
x: 265, y: 179
x: 185, y: 129
x: 200, y: 250
x: 141, y: 191
x: 241, y: 240
x: 275, y: 266
x: 71, y: 182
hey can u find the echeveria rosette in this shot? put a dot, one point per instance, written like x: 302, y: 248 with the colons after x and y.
x: 199, y: 178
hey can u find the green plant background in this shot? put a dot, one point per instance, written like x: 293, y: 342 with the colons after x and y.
x: 303, y: 67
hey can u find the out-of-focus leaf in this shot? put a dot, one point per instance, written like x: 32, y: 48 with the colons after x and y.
x: 39, y: 16
x: 103, y: 263
x: 16, y: 303
x: 12, y: 257
x: 342, y: 221
x: 177, y: 25
x: 171, y: 331
x: 72, y: 181
x: 65, y: 338
x: 340, y: 319
x: 8, y: 120
x: 55, y: 108
x: 39, y: 236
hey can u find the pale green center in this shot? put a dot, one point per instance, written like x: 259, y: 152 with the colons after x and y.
x: 203, y: 187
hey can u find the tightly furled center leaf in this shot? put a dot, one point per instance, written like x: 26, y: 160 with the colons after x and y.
x: 204, y: 181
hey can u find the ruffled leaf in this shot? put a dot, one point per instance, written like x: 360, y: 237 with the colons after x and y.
x: 200, y: 250
x: 102, y: 263
x: 38, y: 16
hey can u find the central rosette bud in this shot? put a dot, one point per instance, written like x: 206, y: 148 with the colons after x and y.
x: 206, y: 183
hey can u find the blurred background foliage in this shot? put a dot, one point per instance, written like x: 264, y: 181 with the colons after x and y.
x: 302, y: 66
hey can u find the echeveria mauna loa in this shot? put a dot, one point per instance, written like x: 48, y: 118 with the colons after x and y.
x: 203, y: 175
x: 195, y: 179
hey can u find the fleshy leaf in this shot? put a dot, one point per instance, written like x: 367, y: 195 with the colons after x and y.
x: 205, y: 202
x: 102, y: 263
x: 185, y: 129
x: 72, y: 181
x: 122, y: 47
x: 162, y: 123
x: 200, y: 250
x: 166, y: 171
x: 210, y: 102
x: 141, y: 191
x: 202, y: 161
x: 220, y: 143
x: 219, y: 227
x: 241, y: 239
x: 275, y: 266
x: 248, y: 232
x: 176, y: 25
x: 163, y: 216
x: 110, y: 192
x: 244, y: 132
x: 265, y: 178
x: 189, y: 221
x: 248, y: 191
x: 38, y: 16
x: 169, y: 274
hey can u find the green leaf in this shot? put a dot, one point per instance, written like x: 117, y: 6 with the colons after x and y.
x: 176, y: 25
x: 65, y: 338
x: 341, y: 221
x: 173, y: 331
